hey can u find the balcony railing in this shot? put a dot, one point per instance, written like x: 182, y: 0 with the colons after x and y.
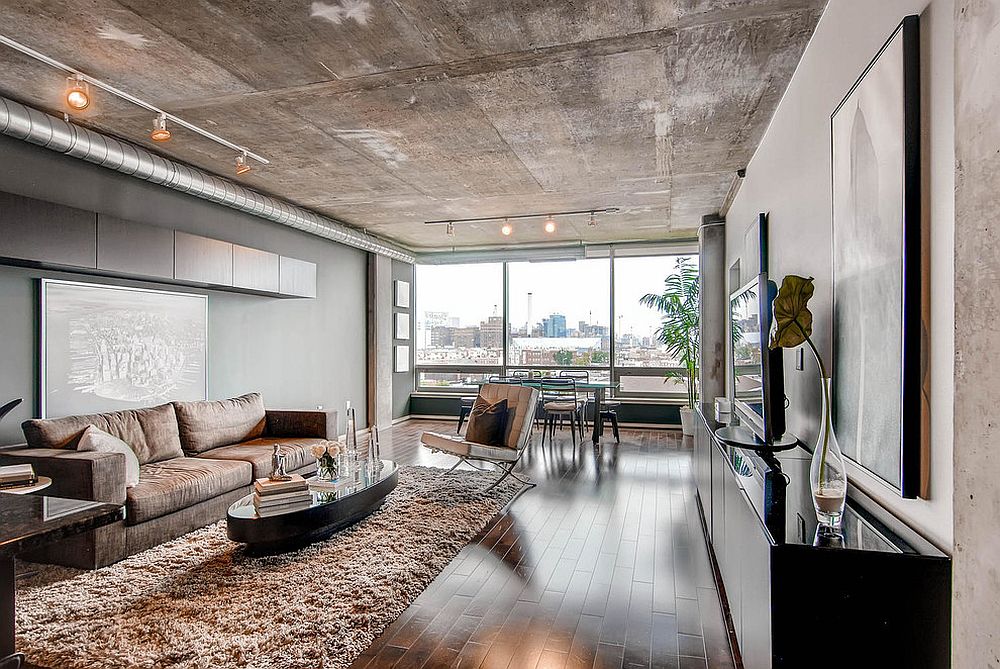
x: 662, y: 383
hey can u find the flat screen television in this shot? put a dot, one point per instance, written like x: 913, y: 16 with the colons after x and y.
x: 757, y: 371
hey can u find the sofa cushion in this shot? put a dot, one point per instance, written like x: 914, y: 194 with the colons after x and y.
x: 257, y: 452
x: 99, y: 441
x: 165, y: 487
x: 151, y: 433
x: 207, y: 425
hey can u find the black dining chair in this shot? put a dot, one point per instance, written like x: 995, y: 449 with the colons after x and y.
x: 559, y: 402
x: 580, y: 376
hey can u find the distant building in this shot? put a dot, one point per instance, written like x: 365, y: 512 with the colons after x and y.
x: 491, y: 332
x: 442, y: 335
x: 554, y: 326
x: 466, y: 337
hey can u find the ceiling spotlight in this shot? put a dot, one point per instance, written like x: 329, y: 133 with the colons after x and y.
x: 550, y: 225
x: 506, y: 228
x: 77, y: 93
x: 450, y: 230
x: 160, y: 132
x: 242, y: 164
x: 593, y: 220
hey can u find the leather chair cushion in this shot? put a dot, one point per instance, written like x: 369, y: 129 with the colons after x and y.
x: 297, y: 452
x: 151, y: 433
x: 165, y: 487
x: 207, y: 425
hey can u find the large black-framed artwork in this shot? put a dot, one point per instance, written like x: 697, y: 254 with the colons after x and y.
x: 880, y: 408
x: 106, y: 348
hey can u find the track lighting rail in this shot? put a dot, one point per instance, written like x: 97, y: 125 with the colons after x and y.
x: 128, y: 97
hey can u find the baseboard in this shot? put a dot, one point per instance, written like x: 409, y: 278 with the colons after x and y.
x: 401, y: 419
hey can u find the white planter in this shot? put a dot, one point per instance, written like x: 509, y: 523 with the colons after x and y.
x: 687, y: 421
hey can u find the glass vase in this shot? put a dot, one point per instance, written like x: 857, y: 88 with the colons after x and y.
x: 327, y: 467
x: 827, y: 474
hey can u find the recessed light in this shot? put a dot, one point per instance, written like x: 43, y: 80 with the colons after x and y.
x: 506, y: 228
x: 550, y: 225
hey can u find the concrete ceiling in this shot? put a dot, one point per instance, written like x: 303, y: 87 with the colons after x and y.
x: 385, y: 114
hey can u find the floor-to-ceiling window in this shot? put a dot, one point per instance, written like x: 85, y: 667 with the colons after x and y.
x: 560, y: 315
x: 459, y: 311
x: 580, y: 314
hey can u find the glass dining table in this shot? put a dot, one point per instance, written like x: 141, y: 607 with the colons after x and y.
x: 597, y: 387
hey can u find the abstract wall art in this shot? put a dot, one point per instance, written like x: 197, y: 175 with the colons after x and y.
x: 879, y: 403
x: 105, y: 348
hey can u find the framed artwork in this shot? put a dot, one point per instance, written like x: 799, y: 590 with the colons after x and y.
x: 402, y: 326
x: 880, y: 404
x: 402, y: 359
x: 402, y: 294
x: 106, y: 348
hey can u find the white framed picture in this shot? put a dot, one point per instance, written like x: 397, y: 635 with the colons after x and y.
x: 403, y: 294
x: 107, y: 348
x: 402, y: 359
x: 402, y: 326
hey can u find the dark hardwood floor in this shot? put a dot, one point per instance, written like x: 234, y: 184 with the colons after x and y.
x: 603, y: 564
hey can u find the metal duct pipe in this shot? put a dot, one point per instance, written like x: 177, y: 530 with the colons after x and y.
x: 31, y: 125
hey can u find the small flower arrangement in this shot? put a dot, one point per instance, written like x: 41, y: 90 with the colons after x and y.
x: 327, y: 458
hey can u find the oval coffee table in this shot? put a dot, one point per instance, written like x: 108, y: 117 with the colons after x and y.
x: 330, y: 511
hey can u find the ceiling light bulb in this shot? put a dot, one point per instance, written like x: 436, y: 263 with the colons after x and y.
x: 550, y: 225
x: 160, y: 132
x: 242, y: 164
x: 450, y: 230
x: 77, y: 93
x: 593, y: 220
x: 506, y: 228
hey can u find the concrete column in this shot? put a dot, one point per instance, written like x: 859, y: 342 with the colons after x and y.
x: 976, y: 595
x: 379, y: 340
x: 713, y: 306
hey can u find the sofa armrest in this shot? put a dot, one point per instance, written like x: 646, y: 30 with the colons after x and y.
x: 75, y: 474
x: 315, y: 424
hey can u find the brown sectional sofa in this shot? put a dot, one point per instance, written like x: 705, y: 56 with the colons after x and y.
x: 195, y: 459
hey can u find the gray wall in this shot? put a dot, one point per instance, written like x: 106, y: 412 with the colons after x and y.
x: 402, y: 383
x: 790, y: 177
x: 300, y: 353
x: 976, y: 618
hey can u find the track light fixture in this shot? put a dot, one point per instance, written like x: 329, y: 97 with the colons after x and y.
x: 550, y: 224
x: 242, y: 164
x: 160, y: 133
x: 77, y: 93
x: 77, y: 97
x: 506, y: 228
x: 450, y: 230
x: 593, y: 220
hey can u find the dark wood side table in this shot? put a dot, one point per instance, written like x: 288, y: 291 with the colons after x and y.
x: 31, y: 521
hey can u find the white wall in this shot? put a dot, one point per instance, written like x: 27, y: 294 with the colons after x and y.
x: 790, y: 177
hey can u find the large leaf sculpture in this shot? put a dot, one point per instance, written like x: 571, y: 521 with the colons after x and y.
x: 793, y: 320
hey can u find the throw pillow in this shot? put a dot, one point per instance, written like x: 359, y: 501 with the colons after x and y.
x: 207, y: 425
x: 487, y: 422
x: 99, y: 441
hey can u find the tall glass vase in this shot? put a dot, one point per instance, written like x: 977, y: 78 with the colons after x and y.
x: 827, y: 474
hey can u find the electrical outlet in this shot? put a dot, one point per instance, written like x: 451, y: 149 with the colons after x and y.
x: 800, y: 359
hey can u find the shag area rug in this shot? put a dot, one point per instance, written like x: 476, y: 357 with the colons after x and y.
x: 199, y: 601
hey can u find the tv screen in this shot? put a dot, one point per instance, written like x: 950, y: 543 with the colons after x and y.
x: 758, y: 387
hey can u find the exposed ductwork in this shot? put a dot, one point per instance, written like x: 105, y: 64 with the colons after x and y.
x: 31, y: 125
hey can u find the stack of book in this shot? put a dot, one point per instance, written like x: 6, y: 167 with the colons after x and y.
x: 273, y: 498
x: 16, y: 476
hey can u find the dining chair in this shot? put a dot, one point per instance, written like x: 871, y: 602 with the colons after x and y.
x: 559, y: 402
x: 580, y: 375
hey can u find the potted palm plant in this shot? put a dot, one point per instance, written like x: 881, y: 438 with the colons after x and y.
x: 678, y: 303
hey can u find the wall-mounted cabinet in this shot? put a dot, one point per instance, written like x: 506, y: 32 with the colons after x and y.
x: 202, y: 260
x: 38, y: 233
x: 254, y: 269
x: 126, y: 247
x: 297, y: 277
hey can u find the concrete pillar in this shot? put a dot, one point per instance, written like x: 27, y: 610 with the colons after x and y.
x: 713, y: 307
x: 379, y: 340
x: 976, y: 595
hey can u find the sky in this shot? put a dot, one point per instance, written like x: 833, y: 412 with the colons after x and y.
x: 577, y: 289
